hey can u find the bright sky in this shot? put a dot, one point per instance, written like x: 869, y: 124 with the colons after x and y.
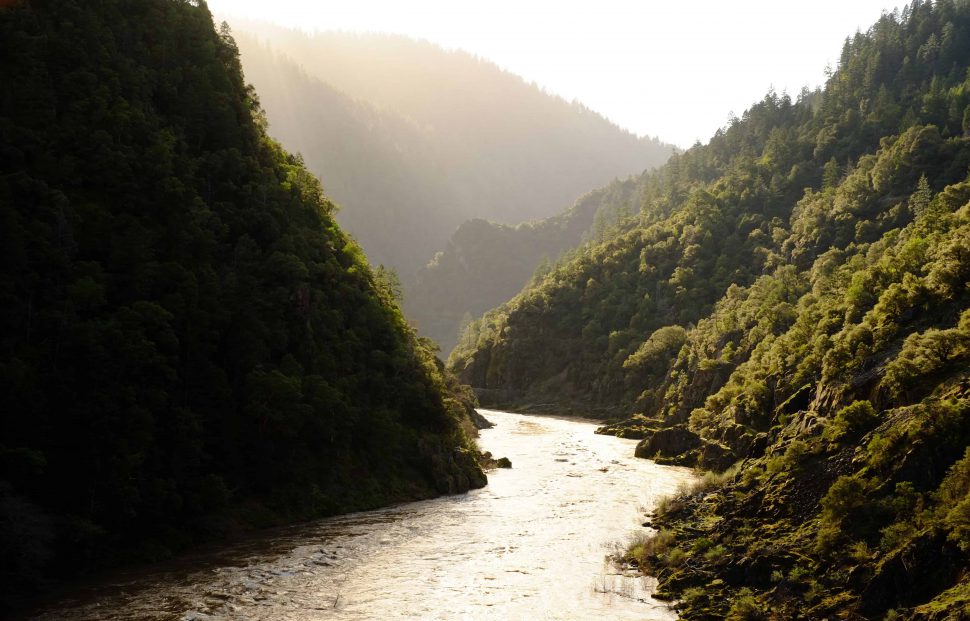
x: 673, y: 69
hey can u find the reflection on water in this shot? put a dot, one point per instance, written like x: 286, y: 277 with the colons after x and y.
x: 531, y: 545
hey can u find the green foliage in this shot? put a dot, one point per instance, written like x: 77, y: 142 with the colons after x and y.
x: 844, y: 500
x: 958, y: 523
x: 647, y: 550
x: 655, y: 354
x: 845, y: 496
x: 851, y: 422
x: 676, y: 558
x: 838, y: 353
x: 745, y: 607
x: 954, y: 497
x: 790, y: 460
x: 191, y: 344
x: 816, y: 253
x: 928, y: 353
x: 716, y: 554
x: 486, y: 263
x: 869, y: 243
x: 897, y: 534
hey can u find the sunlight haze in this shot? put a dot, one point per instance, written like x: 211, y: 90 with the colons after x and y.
x: 668, y: 69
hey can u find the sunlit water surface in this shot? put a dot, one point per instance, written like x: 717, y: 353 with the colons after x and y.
x: 532, y: 545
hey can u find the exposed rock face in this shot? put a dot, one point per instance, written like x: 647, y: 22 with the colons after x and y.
x: 680, y: 446
x: 490, y: 463
x: 911, y: 574
x: 480, y: 421
x: 636, y: 428
x: 700, y: 384
x: 670, y: 443
x: 715, y: 456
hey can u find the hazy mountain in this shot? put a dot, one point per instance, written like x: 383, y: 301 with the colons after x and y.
x: 412, y: 140
x: 793, y: 296
x: 485, y: 263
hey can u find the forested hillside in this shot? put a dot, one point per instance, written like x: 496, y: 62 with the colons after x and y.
x: 379, y: 166
x: 792, y: 299
x: 486, y: 263
x: 191, y: 345
x: 412, y: 140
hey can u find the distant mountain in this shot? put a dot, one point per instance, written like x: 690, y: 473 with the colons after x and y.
x: 486, y: 263
x: 412, y: 140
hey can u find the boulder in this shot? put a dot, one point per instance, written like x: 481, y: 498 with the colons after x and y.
x: 480, y: 421
x: 670, y: 442
x: 715, y: 457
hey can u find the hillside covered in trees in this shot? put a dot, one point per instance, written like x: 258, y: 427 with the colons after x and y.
x: 791, y: 303
x: 191, y: 345
x: 412, y: 140
x: 486, y: 263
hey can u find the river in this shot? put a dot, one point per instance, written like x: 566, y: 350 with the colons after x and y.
x: 533, y: 544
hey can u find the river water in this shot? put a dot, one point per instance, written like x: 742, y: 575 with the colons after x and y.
x: 533, y: 544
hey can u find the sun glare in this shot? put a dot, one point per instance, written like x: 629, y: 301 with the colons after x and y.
x: 669, y: 69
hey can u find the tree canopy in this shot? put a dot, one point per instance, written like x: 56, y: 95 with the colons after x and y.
x: 792, y: 298
x: 191, y: 345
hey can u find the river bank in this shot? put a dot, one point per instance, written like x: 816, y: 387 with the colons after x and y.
x: 532, y: 544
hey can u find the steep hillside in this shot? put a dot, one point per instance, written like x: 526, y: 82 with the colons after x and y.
x: 486, y: 263
x: 846, y: 394
x: 721, y: 215
x: 191, y: 344
x: 447, y: 137
x: 793, y: 300
x: 381, y: 168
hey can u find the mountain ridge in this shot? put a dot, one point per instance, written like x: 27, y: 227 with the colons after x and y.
x: 485, y: 263
x: 491, y: 145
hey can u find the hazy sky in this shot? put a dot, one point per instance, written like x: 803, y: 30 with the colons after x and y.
x: 673, y: 69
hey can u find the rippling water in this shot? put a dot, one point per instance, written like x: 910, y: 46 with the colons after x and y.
x: 531, y: 545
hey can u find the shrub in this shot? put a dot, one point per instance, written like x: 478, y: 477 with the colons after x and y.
x: 924, y: 354
x: 956, y: 484
x: 799, y: 573
x: 668, y: 504
x: 655, y: 354
x: 745, y: 607
x: 693, y: 595
x: 716, y: 555
x: 645, y: 547
x: 790, y: 459
x: 828, y: 537
x: 851, y: 422
x: 751, y: 475
x: 846, y: 494
x: 675, y: 558
x: 859, y: 552
x: 896, y: 534
x: 702, y: 545
x: 954, y: 497
x: 879, y: 451
x: 709, y: 481
x: 958, y: 523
